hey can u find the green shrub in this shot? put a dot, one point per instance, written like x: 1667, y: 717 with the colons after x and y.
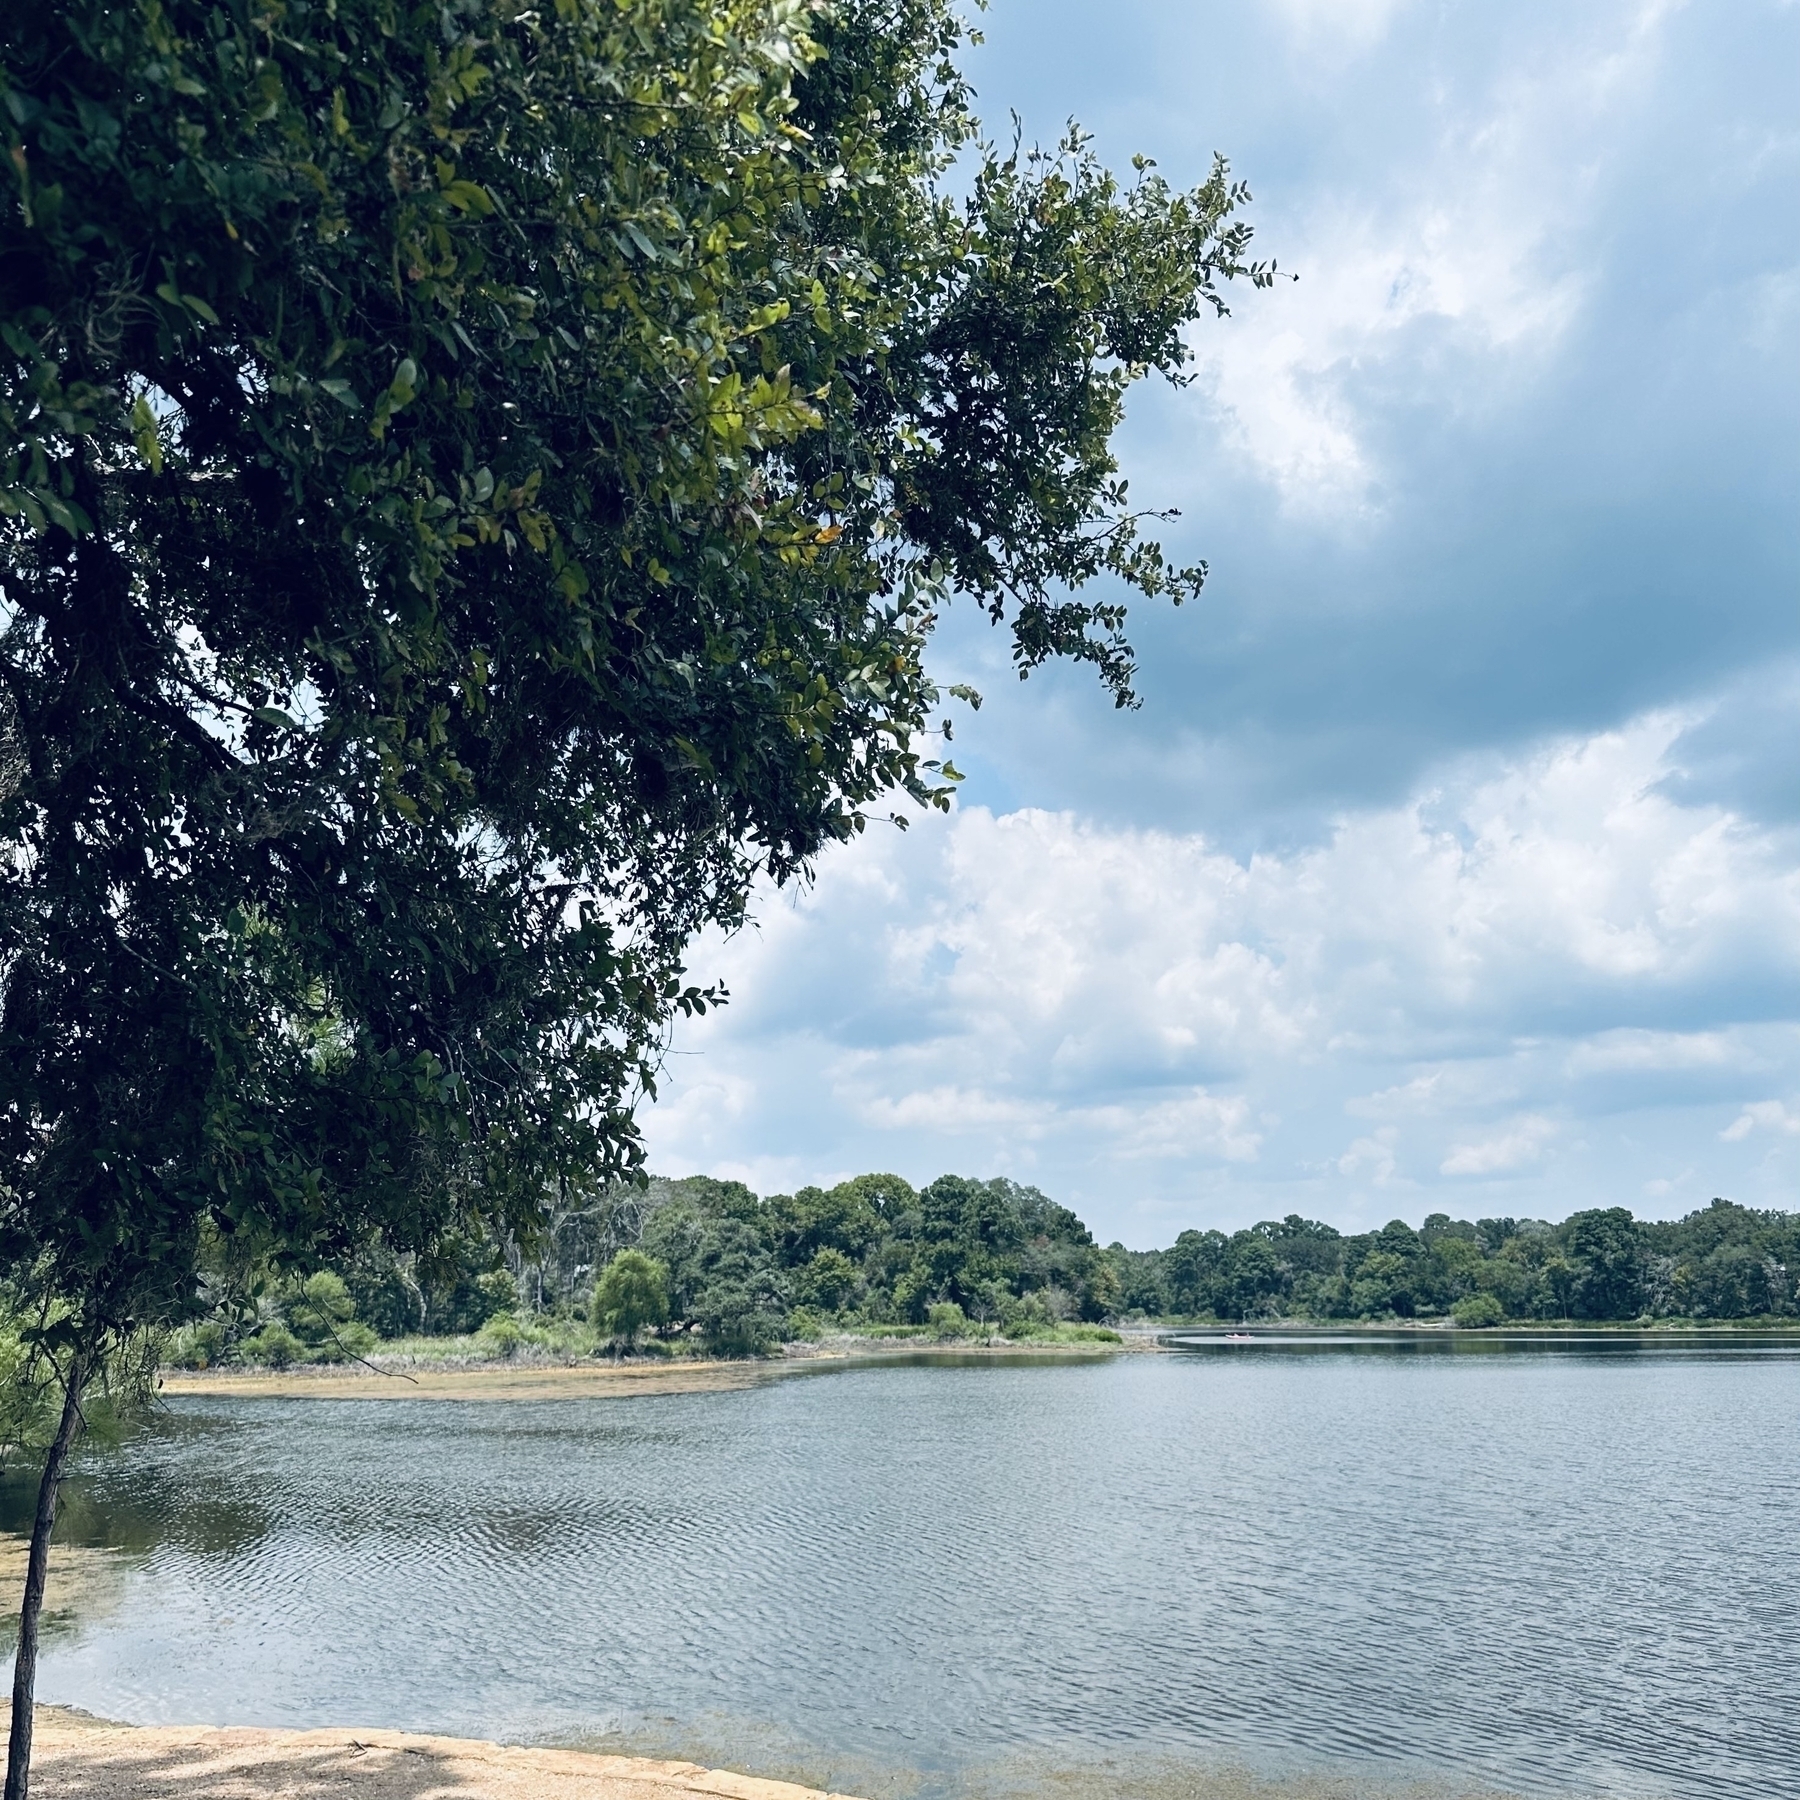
x: 501, y: 1335
x: 274, y: 1346
x: 322, y: 1316
x: 322, y: 1305
x: 1027, y: 1330
x: 947, y: 1320
x: 805, y: 1325
x: 829, y: 1281
x: 197, y: 1346
x: 1478, y: 1311
x: 350, y: 1341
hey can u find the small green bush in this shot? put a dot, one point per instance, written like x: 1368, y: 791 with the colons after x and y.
x: 1478, y: 1311
x: 947, y: 1320
x: 499, y: 1293
x: 197, y: 1346
x: 274, y: 1346
x: 323, y: 1316
x: 501, y: 1335
x: 351, y: 1340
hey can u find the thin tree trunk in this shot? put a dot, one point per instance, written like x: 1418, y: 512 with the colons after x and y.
x: 18, y: 1756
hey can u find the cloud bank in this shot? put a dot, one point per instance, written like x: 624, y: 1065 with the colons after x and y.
x: 1534, y: 986
x: 1452, y: 860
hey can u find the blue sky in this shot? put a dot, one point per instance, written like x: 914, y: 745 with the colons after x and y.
x: 1453, y: 860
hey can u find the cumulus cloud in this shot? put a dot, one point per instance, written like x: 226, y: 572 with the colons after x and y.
x: 1455, y: 856
x: 1765, y: 1115
x: 1336, y: 25
x: 1467, y: 271
x: 1064, y: 998
x: 1521, y: 1142
x: 1371, y: 1156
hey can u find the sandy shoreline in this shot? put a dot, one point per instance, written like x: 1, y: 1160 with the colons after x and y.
x: 78, y: 1757
x: 587, y: 1379
x: 493, y: 1381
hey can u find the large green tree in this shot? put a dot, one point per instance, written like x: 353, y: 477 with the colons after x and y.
x: 477, y: 482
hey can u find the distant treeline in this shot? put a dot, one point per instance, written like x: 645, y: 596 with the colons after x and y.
x: 745, y: 1272
x: 1724, y: 1262
x: 877, y: 1251
x: 741, y: 1273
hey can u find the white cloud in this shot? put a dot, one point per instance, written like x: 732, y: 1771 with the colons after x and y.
x: 953, y: 1110
x: 1769, y: 1115
x: 1093, y: 1007
x: 1193, y: 1122
x: 1635, y: 1051
x: 1521, y: 1143
x: 1336, y: 24
x: 1452, y: 278
x: 1371, y: 1156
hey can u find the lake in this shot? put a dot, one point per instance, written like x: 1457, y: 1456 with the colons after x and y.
x: 1551, y: 1569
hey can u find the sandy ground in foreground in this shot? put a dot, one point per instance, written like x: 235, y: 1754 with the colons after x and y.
x: 76, y: 1757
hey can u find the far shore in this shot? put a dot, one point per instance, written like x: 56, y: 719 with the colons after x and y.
x: 526, y: 1377
x: 537, y: 1376
x: 79, y: 1757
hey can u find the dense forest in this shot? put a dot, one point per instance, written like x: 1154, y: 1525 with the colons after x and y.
x: 1724, y: 1262
x: 726, y: 1270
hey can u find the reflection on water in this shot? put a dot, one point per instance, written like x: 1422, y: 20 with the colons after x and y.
x: 1713, y: 1344
x: 1315, y: 1564
x: 1430, y: 1341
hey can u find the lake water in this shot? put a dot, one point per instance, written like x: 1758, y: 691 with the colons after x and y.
x: 1334, y: 1566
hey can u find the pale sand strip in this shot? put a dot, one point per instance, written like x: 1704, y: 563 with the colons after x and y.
x: 492, y: 1381
x: 77, y: 1757
x: 591, y: 1378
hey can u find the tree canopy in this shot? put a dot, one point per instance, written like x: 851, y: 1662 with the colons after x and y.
x: 477, y: 485
x: 728, y: 1271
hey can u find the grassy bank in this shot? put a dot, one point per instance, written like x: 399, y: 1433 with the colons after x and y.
x: 508, y: 1339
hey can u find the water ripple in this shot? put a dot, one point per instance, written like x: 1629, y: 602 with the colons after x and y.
x: 1553, y: 1575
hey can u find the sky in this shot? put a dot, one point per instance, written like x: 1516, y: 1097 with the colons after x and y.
x: 1452, y: 862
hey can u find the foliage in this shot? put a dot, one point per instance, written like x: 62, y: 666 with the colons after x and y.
x: 274, y: 1345
x: 739, y: 1274
x: 1475, y: 1311
x: 1599, y: 1266
x: 722, y: 1278
x: 870, y: 1252
x: 477, y: 484
x: 33, y: 1367
x: 323, y: 1317
x: 632, y: 1293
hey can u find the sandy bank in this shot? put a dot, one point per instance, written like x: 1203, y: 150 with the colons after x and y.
x: 589, y: 1379
x: 489, y: 1381
x: 81, y: 1758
